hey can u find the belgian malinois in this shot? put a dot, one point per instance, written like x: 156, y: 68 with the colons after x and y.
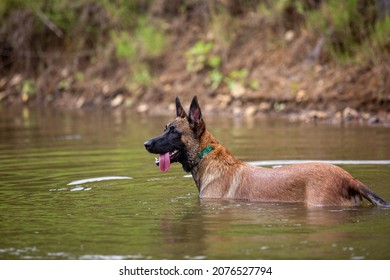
x: 219, y: 175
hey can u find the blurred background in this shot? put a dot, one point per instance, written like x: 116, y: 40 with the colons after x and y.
x: 319, y: 59
x: 83, y: 84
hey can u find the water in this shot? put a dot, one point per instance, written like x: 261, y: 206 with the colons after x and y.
x: 79, y: 185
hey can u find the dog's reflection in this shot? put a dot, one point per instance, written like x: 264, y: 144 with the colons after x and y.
x: 210, y: 225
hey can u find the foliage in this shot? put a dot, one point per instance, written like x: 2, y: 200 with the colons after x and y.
x: 202, y: 57
x: 64, y: 84
x: 378, y: 43
x: 199, y: 57
x: 351, y: 27
x: 146, y: 41
x: 215, y: 78
x: 271, y: 8
x: 342, y: 23
x: 38, y: 35
x: 237, y: 77
x: 28, y: 89
x: 151, y: 41
x: 125, y: 46
x: 141, y: 76
x: 223, y: 26
x: 81, y: 27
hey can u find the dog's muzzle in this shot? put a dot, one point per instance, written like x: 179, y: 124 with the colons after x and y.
x: 148, y: 145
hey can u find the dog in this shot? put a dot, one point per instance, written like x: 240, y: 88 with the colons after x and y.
x: 219, y: 175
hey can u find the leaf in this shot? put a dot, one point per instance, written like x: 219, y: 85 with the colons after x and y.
x: 214, y: 61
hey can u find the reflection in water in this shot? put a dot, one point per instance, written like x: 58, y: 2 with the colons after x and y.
x: 79, y: 185
x: 265, y: 230
x: 337, y: 162
x: 99, y: 179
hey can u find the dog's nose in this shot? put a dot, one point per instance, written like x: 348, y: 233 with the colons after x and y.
x: 148, y: 144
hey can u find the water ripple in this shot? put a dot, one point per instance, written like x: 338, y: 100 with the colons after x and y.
x: 342, y: 162
x: 98, y: 179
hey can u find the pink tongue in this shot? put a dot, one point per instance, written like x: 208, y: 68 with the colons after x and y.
x: 165, y: 162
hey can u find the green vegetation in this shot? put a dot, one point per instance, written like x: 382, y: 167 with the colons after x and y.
x: 350, y: 26
x: 203, y: 57
x: 378, y: 43
x: 223, y: 26
x: 123, y: 45
x: 145, y: 42
x: 353, y: 29
x: 240, y: 77
x: 200, y: 56
x: 84, y: 30
x: 28, y: 89
x: 151, y: 39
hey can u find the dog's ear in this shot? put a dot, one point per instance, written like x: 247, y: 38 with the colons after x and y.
x: 179, y: 109
x: 195, y: 117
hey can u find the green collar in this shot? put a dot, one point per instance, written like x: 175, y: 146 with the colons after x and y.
x: 205, y: 151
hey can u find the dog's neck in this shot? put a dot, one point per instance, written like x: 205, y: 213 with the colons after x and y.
x: 208, y: 140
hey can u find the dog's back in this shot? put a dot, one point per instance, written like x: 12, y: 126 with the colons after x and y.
x: 218, y: 174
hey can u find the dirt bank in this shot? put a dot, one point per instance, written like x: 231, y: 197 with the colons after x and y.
x: 262, y: 68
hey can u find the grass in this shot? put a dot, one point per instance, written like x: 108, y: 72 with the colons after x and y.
x: 199, y: 56
x: 88, y: 25
x: 222, y: 26
x: 352, y: 28
x: 151, y: 40
x: 146, y: 41
x: 348, y: 27
x: 202, y: 57
x: 378, y: 43
x: 125, y: 45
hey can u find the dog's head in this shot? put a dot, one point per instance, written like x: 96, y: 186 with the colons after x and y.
x: 180, y: 140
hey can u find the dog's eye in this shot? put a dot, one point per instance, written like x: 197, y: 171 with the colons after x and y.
x: 166, y: 127
x: 169, y: 128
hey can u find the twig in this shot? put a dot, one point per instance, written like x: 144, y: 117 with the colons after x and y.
x: 46, y: 21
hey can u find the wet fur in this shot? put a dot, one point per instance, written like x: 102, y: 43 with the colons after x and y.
x: 219, y: 175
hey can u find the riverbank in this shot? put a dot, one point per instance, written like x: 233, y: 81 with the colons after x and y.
x: 238, y: 60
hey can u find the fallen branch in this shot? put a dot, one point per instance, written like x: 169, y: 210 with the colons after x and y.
x: 46, y: 21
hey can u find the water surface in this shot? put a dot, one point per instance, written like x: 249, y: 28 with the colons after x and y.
x: 79, y: 185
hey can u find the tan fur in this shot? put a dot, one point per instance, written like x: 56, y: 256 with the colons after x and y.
x: 219, y: 175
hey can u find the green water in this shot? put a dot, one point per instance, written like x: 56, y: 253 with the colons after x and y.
x: 46, y: 214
